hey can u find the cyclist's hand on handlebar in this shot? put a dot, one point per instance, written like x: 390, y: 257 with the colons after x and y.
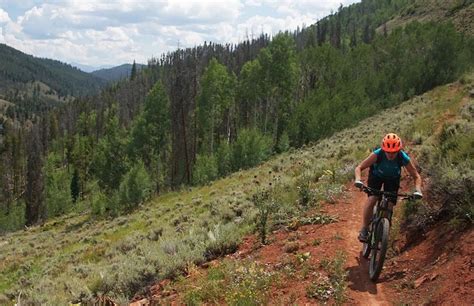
x: 417, y: 195
x: 358, y: 184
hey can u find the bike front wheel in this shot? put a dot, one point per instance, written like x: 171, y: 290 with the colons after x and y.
x: 379, y: 248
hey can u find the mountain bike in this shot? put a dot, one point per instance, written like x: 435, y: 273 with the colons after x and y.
x: 377, y: 243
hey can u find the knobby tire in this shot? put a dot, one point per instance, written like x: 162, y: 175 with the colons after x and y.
x: 379, y: 249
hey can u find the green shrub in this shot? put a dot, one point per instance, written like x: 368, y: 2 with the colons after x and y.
x: 136, y: 262
x: 15, y: 219
x: 194, y: 297
x: 97, y: 200
x: 250, y: 149
x: 453, y: 187
x: 266, y: 206
x: 135, y: 187
x: 410, y: 208
x: 283, y: 143
x: 328, y: 192
x: 452, y: 170
x: 305, y: 194
x: 224, y: 159
x: 287, y: 206
x: 335, y: 284
x: 126, y: 276
x: 458, y: 148
x: 205, y: 169
x: 57, y: 192
x: 235, y: 283
x: 320, y: 289
x: 222, y: 240
x: 248, y: 284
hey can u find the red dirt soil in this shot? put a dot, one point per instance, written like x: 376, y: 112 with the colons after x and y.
x: 436, y: 269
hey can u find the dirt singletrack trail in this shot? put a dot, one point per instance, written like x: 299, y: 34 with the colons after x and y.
x: 414, y: 276
x: 333, y: 237
x: 361, y: 290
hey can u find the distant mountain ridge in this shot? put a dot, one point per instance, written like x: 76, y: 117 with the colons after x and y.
x: 89, y: 68
x: 116, y: 73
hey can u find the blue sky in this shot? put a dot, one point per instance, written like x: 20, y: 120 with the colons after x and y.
x: 98, y: 33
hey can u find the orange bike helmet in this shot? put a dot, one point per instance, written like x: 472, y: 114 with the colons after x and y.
x: 391, y: 143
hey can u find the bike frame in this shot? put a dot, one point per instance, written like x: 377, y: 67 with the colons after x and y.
x: 382, y: 205
x: 382, y: 210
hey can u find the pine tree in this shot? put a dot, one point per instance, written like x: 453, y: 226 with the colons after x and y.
x: 110, y: 161
x: 353, y: 40
x: 150, y: 135
x: 81, y: 148
x: 368, y: 32
x: 75, y: 186
x: 133, y: 73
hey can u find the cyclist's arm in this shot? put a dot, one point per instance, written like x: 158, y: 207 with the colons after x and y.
x: 416, y: 176
x: 366, y: 163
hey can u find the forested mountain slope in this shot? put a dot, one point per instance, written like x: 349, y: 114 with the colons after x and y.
x: 78, y: 258
x: 117, y: 73
x: 198, y: 114
x: 22, y: 74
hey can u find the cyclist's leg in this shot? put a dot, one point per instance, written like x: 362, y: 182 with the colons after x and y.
x: 376, y: 183
x: 368, y: 210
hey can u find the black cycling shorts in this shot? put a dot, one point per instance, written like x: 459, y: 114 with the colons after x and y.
x: 389, y: 185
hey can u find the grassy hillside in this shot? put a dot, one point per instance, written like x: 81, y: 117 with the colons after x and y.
x: 459, y: 12
x: 76, y: 257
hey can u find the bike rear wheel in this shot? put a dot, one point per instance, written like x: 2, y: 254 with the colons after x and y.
x: 379, y: 248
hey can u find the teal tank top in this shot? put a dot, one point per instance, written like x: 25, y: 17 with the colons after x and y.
x: 391, y: 169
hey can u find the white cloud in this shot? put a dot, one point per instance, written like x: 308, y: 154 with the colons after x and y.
x: 4, y: 18
x: 103, y: 32
x: 204, y: 10
x: 253, y: 3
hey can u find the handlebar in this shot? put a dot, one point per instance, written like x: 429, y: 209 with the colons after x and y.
x: 406, y: 196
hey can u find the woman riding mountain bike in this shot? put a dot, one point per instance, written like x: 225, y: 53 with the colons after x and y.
x: 385, y: 169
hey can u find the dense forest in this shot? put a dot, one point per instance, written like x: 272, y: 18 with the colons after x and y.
x: 197, y: 114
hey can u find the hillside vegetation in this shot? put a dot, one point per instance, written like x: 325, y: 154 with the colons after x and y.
x: 76, y: 257
x: 185, y: 134
x: 459, y: 12
x: 198, y: 114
